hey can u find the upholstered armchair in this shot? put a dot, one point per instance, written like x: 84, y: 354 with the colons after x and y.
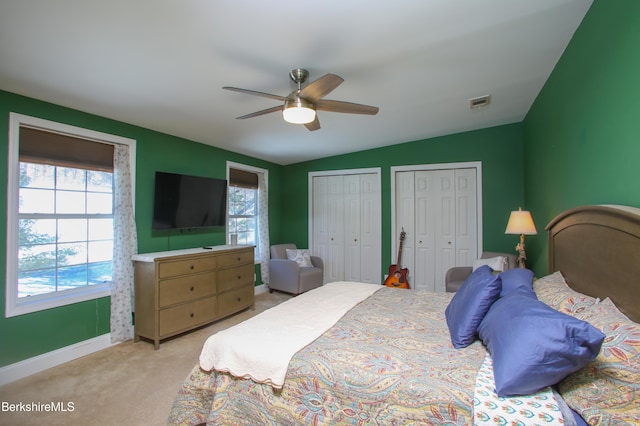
x: 456, y: 276
x: 289, y: 276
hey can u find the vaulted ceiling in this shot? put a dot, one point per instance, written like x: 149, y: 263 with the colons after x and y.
x: 162, y: 64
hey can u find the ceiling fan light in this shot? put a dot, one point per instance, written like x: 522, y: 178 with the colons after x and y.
x: 298, y: 111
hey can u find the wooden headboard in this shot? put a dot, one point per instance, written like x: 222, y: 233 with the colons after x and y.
x: 597, y: 249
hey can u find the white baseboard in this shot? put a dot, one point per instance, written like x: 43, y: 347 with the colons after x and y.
x: 27, y: 367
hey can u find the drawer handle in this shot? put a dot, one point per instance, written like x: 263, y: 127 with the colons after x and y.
x: 191, y: 267
x: 239, y: 299
x: 191, y: 314
x: 239, y: 276
x: 191, y: 288
x: 238, y: 259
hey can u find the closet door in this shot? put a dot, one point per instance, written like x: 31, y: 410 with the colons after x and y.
x: 334, y: 261
x: 445, y: 227
x: 467, y: 217
x: 438, y: 211
x: 426, y: 226
x: 370, y: 237
x: 320, y: 215
x: 405, y: 218
x: 352, y: 211
x: 346, y: 227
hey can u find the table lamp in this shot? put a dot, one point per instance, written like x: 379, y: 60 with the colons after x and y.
x: 521, y: 222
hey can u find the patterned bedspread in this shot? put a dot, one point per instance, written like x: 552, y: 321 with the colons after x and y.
x: 389, y: 360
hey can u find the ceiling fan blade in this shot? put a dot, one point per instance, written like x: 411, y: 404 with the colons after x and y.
x: 253, y: 92
x: 262, y: 112
x: 321, y: 87
x: 348, y: 107
x: 314, y: 125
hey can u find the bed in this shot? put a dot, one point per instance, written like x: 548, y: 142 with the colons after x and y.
x: 381, y: 364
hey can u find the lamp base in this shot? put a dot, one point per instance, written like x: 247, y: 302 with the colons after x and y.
x: 522, y: 255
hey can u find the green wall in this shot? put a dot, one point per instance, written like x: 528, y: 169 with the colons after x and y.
x: 33, y: 334
x: 498, y: 148
x: 582, y: 134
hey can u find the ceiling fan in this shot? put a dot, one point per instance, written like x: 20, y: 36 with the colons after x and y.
x: 302, y: 103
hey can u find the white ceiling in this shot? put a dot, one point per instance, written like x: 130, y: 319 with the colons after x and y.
x: 161, y: 64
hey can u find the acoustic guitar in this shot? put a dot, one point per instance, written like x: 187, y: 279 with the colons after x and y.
x: 397, y: 274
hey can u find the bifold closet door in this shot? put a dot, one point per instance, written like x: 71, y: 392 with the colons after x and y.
x: 346, y: 226
x: 352, y: 210
x: 320, y: 221
x: 334, y: 262
x: 362, y: 228
x: 466, y: 236
x: 437, y: 209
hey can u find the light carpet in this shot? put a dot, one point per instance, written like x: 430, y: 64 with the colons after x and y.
x: 129, y: 383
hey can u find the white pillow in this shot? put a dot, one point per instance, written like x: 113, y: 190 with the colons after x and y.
x: 498, y: 263
x: 302, y: 257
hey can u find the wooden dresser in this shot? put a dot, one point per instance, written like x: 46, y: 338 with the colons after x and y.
x: 177, y: 291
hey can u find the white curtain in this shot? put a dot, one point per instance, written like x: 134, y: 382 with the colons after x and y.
x: 263, y: 228
x: 125, y: 245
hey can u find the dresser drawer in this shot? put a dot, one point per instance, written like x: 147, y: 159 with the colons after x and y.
x: 188, y: 315
x: 174, y: 268
x: 234, y: 259
x: 229, y: 279
x: 186, y: 288
x: 233, y: 301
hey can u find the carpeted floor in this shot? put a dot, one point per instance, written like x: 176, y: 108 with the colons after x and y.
x: 127, y: 384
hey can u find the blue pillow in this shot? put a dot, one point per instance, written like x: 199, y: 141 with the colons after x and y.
x: 517, y: 279
x: 533, y: 345
x: 469, y: 305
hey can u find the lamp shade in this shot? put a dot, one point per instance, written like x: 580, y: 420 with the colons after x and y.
x: 521, y: 222
x: 298, y: 111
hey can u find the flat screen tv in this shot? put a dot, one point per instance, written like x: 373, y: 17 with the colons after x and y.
x: 183, y: 201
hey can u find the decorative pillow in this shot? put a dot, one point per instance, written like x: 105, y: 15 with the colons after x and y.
x: 517, y: 279
x: 555, y: 292
x: 498, y: 263
x: 302, y: 257
x: 470, y: 304
x: 607, y: 391
x: 534, y: 346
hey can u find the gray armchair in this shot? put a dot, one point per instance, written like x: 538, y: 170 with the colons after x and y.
x: 456, y: 276
x: 286, y: 275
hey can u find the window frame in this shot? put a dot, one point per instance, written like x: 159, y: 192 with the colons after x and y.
x: 265, y: 172
x: 13, y: 305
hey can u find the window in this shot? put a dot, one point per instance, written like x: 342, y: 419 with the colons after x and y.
x: 59, y: 214
x: 243, y: 221
x: 65, y: 228
x: 248, y: 218
x: 243, y: 206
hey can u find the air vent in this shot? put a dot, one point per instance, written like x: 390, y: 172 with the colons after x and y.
x: 480, y: 101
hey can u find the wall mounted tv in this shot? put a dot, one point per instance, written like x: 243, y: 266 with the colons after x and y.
x: 183, y: 201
